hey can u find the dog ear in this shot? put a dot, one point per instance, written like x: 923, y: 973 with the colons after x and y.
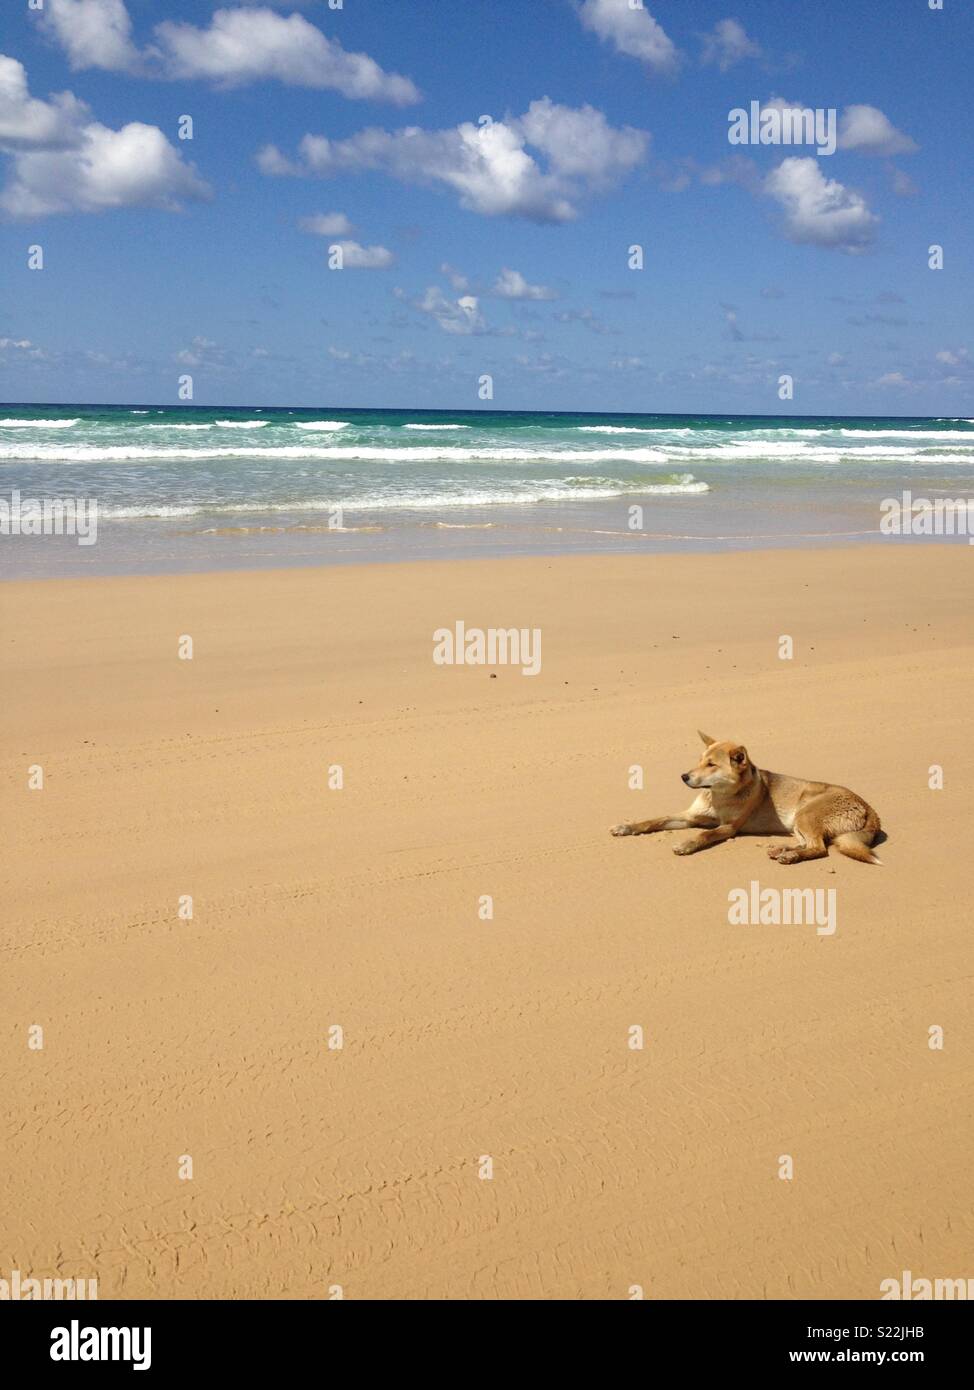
x: 739, y: 756
x: 707, y: 739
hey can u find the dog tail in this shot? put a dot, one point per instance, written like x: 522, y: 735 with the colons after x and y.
x: 855, y: 845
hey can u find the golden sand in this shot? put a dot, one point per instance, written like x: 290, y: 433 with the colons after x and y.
x: 466, y: 1037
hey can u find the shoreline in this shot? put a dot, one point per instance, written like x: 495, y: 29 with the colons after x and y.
x: 147, y: 547
x: 363, y: 555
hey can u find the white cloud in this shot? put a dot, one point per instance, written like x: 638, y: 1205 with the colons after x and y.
x: 867, y: 131
x: 861, y: 129
x: 954, y: 358
x: 327, y: 224
x: 24, y: 349
x: 271, y: 162
x: 632, y: 31
x: 459, y: 316
x: 820, y: 211
x: 93, y: 33
x: 29, y: 124
x: 249, y: 44
x: 132, y: 167
x: 579, y: 142
x: 488, y: 165
x: 65, y: 161
x: 256, y: 44
x: 356, y: 257
x: 511, y: 284
x: 199, y: 351
x: 727, y: 44
x: 893, y: 379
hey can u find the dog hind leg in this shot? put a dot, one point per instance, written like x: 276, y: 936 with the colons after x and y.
x: 809, y: 831
x: 840, y: 818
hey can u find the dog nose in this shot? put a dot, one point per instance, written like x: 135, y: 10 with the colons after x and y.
x: 686, y: 776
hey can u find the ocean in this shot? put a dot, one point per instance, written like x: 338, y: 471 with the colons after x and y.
x: 188, y: 488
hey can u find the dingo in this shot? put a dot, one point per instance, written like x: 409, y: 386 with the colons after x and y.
x: 737, y: 798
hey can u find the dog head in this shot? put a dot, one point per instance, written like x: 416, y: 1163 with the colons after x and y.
x: 724, y: 765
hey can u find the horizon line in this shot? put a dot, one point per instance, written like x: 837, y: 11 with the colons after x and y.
x: 464, y: 410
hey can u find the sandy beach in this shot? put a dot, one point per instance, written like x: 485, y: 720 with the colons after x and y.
x: 468, y: 1037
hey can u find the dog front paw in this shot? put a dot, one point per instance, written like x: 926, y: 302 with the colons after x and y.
x: 687, y: 847
x: 788, y: 856
x: 621, y: 830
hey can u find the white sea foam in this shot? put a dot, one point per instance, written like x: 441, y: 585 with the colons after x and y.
x: 802, y: 451
x: 681, y: 482
x: 436, y: 427
x: 730, y: 451
x: 547, y: 490
x: 409, y: 501
x: 619, y: 429
x: 38, y: 424
x: 687, y: 484
x: 119, y: 453
x: 241, y: 424
x: 325, y: 425
x: 827, y: 434
x: 150, y: 509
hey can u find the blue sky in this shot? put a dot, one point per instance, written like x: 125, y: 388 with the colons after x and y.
x: 475, y: 247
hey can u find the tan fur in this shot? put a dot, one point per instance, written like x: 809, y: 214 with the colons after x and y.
x: 737, y: 798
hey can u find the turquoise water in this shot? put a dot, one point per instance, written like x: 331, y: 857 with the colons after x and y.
x: 162, y: 476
